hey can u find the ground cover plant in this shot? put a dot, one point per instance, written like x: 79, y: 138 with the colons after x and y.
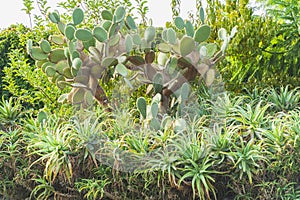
x: 123, y: 110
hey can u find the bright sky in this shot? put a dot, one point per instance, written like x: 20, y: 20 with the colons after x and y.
x: 159, y: 11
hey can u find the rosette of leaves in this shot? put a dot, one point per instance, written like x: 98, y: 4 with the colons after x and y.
x: 134, y: 54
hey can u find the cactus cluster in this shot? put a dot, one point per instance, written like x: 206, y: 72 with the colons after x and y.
x: 156, y: 121
x: 117, y: 42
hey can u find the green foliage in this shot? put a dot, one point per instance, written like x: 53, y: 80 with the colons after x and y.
x: 259, y: 56
x: 84, y: 55
x: 93, y: 189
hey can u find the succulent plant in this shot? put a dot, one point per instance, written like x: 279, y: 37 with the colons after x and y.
x: 84, y: 54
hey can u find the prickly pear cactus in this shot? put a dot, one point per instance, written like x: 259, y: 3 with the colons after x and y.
x: 165, y: 59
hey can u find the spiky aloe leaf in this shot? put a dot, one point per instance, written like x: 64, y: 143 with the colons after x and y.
x: 120, y: 13
x: 150, y: 33
x: 69, y: 32
x: 210, y: 77
x: 77, y: 16
x: 142, y: 106
x: 179, y: 23
x: 202, y: 33
x: 122, y: 70
x: 171, y: 35
x: 130, y: 22
x: 57, y: 55
x: 57, y: 39
x: 186, y: 46
x: 100, y: 34
x: 83, y: 34
x: 38, y: 54
x: 189, y: 29
x: 106, y: 15
x: 45, y: 46
x: 54, y: 17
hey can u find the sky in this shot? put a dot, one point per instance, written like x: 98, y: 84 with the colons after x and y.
x: 159, y: 11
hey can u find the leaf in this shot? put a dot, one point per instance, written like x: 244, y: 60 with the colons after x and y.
x: 179, y: 23
x: 211, y: 49
x: 122, y: 70
x: 150, y: 34
x: 120, y: 13
x: 171, y: 34
x: 187, y: 45
x: 38, y: 54
x: 201, y: 14
x: 100, y: 34
x: 45, y: 46
x: 83, y: 34
x: 163, y: 47
x: 128, y: 43
x: 77, y: 16
x: 189, y: 29
x: 222, y: 33
x: 162, y: 58
x: 210, y: 77
x: 106, y: 15
x: 42, y: 116
x: 54, y: 17
x: 69, y: 32
x: 142, y: 106
x: 130, y: 22
x: 202, y: 33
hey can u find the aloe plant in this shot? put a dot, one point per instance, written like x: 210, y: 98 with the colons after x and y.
x: 83, y: 55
